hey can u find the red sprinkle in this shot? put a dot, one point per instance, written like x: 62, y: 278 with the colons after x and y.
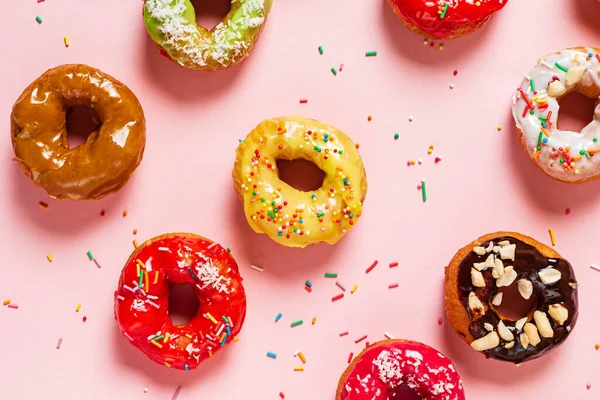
x: 394, y: 264
x: 440, y: 321
x: 437, y: 160
x: 308, y: 288
x: 372, y: 266
x: 568, y: 211
x: 282, y: 395
x: 43, y: 205
x: 303, y: 101
x: 393, y: 286
x: 84, y: 318
x: 360, y: 339
x: 339, y: 296
x: 343, y: 334
x: 350, y: 358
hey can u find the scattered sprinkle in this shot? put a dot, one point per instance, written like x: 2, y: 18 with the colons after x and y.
x: 588, y: 386
x: 176, y: 393
x: 13, y: 305
x: 597, y: 346
x: 135, y: 231
x: 38, y: 19
x: 299, y: 368
x: 6, y: 302
x: 271, y: 355
x: 66, y: 39
x: 257, y: 268
x: 369, y: 118
x: 78, y: 308
x: 568, y: 211
x: 340, y: 286
x: 393, y: 286
x: 125, y: 213
x: 308, y: 288
x: 278, y: 317
x: 440, y: 321
x: 452, y: 86
x: 396, y: 136
x: 339, y: 296
x: 350, y: 358
x: 90, y: 256
x: 370, y: 269
x: 360, y: 339
x: 43, y: 205
x: 354, y: 288
x: 595, y: 267
x: 135, y: 244
x: 389, y: 336
x: 430, y: 149
x: 314, y: 320
x: 330, y: 275
x: 334, y: 71
x: 341, y: 67
x: 370, y: 53
x: 444, y: 11
x: 499, y: 127
x: 423, y: 190
x: 302, y: 357
x: 320, y: 49
x: 282, y: 395
x: 84, y: 318
x: 296, y: 323
x: 49, y: 257
x: 552, y: 237
x: 343, y: 334
x: 98, y: 263
x: 411, y: 118
x: 394, y: 264
x: 59, y: 343
x: 308, y: 283
x: 303, y: 101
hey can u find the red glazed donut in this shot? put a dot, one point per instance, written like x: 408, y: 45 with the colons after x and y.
x: 445, y: 19
x: 383, y: 370
x: 142, y: 299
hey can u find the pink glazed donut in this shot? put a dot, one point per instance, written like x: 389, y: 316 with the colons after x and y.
x: 381, y: 370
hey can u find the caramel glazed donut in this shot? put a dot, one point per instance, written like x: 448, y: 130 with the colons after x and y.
x: 564, y: 155
x: 472, y: 296
x: 100, y: 166
x: 288, y: 216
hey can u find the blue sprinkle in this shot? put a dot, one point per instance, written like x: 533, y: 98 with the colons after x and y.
x: 545, y: 140
x: 351, y: 215
x: 240, y: 140
x: 308, y: 284
x: 300, y: 220
x: 187, y: 368
x: 278, y: 317
x: 224, y: 340
x: 314, y: 196
x: 228, y: 329
x: 191, y: 273
x: 279, y: 234
x: 590, y: 55
x: 544, y: 125
x: 272, y: 355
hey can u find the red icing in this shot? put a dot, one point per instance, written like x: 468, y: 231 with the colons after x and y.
x: 424, y: 14
x: 217, y: 285
x: 387, y: 366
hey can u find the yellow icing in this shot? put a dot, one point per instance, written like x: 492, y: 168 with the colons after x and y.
x: 301, y: 218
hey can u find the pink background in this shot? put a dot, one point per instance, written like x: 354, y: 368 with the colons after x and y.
x: 484, y: 184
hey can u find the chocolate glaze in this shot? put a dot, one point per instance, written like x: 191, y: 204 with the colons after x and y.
x: 528, y: 261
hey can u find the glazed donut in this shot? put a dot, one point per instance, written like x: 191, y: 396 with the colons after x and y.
x: 444, y: 19
x: 288, y: 216
x: 380, y: 371
x: 472, y: 296
x: 142, y: 299
x: 100, y: 166
x: 564, y: 155
x: 172, y: 26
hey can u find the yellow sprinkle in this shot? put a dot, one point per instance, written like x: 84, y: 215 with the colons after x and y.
x: 147, y: 284
x: 499, y: 127
x: 211, y: 318
x: 167, y: 336
x: 222, y: 337
x: 6, y: 302
x: 536, y: 154
x: 576, y: 57
x: 552, y: 238
x: 354, y: 288
x: 302, y: 357
x: 314, y: 320
x: 141, y: 263
x: 430, y: 150
x: 236, y: 339
x: 210, y: 353
x: 138, y: 269
x: 154, y: 342
x: 49, y: 257
x: 298, y: 368
x: 188, y: 335
x: 66, y: 41
x: 576, y: 172
x: 413, y: 162
x: 167, y: 364
x: 156, y: 277
x: 577, y: 158
x: 545, y: 132
x: 596, y: 150
x: 135, y: 243
x: 78, y: 307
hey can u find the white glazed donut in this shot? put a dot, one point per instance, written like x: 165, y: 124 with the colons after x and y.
x: 564, y: 155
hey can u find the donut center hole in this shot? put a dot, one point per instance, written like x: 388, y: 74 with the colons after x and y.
x: 514, y: 306
x: 183, y: 304
x: 301, y: 174
x: 80, y: 125
x: 210, y: 12
x: 576, y: 112
x: 403, y: 392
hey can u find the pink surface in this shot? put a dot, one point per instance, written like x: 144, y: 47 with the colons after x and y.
x: 484, y: 183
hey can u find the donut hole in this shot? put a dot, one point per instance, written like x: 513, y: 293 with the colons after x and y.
x: 576, y: 112
x: 80, y: 125
x: 301, y: 174
x: 403, y: 392
x: 514, y: 306
x: 210, y: 12
x: 183, y: 304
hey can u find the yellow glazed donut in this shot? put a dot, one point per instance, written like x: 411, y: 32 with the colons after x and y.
x: 288, y: 216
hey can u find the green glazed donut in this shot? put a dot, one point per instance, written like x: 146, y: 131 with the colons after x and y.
x: 172, y: 26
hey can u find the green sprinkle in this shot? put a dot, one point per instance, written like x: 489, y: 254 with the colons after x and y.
x: 582, y: 152
x: 562, y: 160
x: 595, y: 140
x: 396, y: 136
x: 532, y: 84
x: 370, y: 53
x: 141, y: 278
x: 161, y: 337
x: 542, y: 118
x: 296, y: 323
x: 424, y: 191
x: 340, y: 152
x: 320, y: 49
x: 38, y: 19
x: 540, y: 137
x: 90, y: 256
x: 334, y: 71
x: 532, y: 112
x: 587, y: 154
x: 539, y: 147
x: 225, y: 319
x: 445, y: 11
x: 561, y: 67
x: 330, y: 275
x: 229, y: 249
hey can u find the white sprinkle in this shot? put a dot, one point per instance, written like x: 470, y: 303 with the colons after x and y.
x: 176, y: 393
x: 145, y: 390
x: 120, y: 297
x: 153, y: 304
x: 128, y: 288
x: 411, y: 118
x: 59, y: 343
x: 595, y: 267
x: 164, y: 249
x: 389, y: 336
x: 452, y: 86
x: 213, y: 244
x: 546, y: 64
x: 257, y: 268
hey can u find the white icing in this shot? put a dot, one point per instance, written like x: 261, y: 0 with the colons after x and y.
x: 548, y: 158
x: 194, y: 47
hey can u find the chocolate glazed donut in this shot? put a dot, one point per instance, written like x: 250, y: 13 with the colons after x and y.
x: 105, y: 162
x: 472, y: 296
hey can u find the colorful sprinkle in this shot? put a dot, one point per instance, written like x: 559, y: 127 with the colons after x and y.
x: 78, y: 308
x: 296, y: 323
x: 299, y: 368
x: 271, y: 355
x: 66, y: 39
x: 444, y: 11
x: 314, y: 320
x: 257, y: 268
x: 6, y: 302
x: 320, y: 49
x: 552, y: 237
x: 278, y: 317
x: 340, y: 286
x: 343, y: 334
x: 370, y: 53
x: 330, y: 275
x: 559, y: 67
x: 370, y: 269
x: 334, y: 71
x: 354, y: 288
x: 90, y: 256
x: 43, y: 205
x: 350, y: 357
x: 38, y: 19
x: 393, y: 286
x: 360, y: 339
x: 336, y: 298
x: 49, y: 257
x: 13, y: 305
x: 308, y: 283
x: 59, y: 343
x: 423, y: 190
x: 394, y: 264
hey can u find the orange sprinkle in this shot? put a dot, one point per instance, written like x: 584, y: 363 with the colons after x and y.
x: 536, y: 154
x: 370, y: 117
x: 135, y: 243
x: 7, y: 302
x: 43, y: 205
x: 147, y: 284
x: 125, y: 213
x: 545, y: 132
x: 167, y: 336
x: 155, y: 277
x: 135, y: 231
x: 154, y: 342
